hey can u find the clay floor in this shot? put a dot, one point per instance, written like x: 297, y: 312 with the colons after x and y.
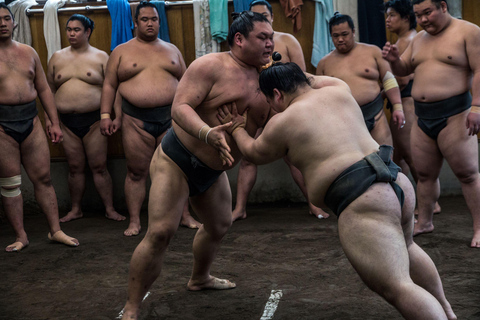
x: 278, y: 247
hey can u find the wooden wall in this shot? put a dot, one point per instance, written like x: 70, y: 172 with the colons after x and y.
x: 181, y: 27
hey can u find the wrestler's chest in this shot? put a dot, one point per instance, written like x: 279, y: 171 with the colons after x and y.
x: 452, y: 54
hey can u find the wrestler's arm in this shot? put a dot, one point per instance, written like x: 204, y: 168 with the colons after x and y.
x: 117, y: 104
x: 109, y: 91
x: 48, y: 101
x: 472, y: 43
x: 321, y: 67
x: 295, y: 51
x: 51, y: 83
x: 399, y: 64
x: 318, y: 82
x: 402, y: 45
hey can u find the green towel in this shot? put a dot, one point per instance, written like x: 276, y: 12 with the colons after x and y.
x: 219, y: 19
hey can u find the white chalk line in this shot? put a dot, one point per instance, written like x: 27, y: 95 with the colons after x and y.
x: 272, y: 304
x: 120, y: 315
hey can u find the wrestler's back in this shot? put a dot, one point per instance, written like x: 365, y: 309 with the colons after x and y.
x: 148, y: 73
x: 358, y: 68
x: 17, y: 73
x: 441, y: 63
x: 78, y: 80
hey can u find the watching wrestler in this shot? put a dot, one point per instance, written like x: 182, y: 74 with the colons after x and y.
x: 291, y: 51
x: 192, y: 158
x: 22, y: 139
x: 444, y: 57
x: 322, y: 132
x: 361, y: 66
x: 145, y: 71
x: 75, y: 75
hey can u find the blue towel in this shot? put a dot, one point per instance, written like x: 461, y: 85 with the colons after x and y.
x: 219, y: 19
x: 241, y: 5
x: 122, y: 24
x: 322, y: 41
x: 163, y: 34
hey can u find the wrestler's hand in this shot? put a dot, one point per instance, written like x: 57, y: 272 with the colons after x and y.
x: 390, y: 52
x: 55, y: 134
x: 116, y: 124
x: 106, y: 127
x: 238, y: 120
x: 398, y: 118
x: 48, y: 125
x: 217, y: 139
x: 473, y: 123
x: 224, y: 114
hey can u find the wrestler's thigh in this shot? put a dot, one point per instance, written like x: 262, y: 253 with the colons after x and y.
x: 214, y: 206
x: 9, y: 156
x: 426, y: 155
x: 408, y: 208
x: 36, y: 153
x: 168, y: 193
x: 96, y: 146
x: 381, y: 131
x: 372, y: 237
x: 459, y: 149
x: 138, y: 145
x: 73, y: 147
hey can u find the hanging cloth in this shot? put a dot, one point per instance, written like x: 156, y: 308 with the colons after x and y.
x: 122, y: 23
x: 322, y: 41
x: 22, y: 33
x: 203, y: 38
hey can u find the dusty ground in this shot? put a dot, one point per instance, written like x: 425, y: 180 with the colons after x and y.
x: 279, y: 247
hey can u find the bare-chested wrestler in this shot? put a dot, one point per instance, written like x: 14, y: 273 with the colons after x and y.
x: 291, y: 51
x: 22, y: 139
x: 323, y: 134
x: 361, y: 66
x: 187, y: 164
x: 145, y: 71
x: 75, y: 75
x: 445, y: 59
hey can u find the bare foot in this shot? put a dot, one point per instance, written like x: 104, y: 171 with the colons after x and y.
x: 17, y: 246
x: 449, y: 312
x: 476, y: 240
x: 213, y: 284
x: 132, y: 230
x: 419, y: 229
x: 72, y: 215
x: 437, y: 209
x: 114, y: 215
x: 189, y: 222
x: 129, y: 315
x: 239, y: 214
x: 61, y: 237
x: 318, y: 212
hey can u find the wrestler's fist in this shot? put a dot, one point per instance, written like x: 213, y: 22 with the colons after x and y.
x: 390, y: 52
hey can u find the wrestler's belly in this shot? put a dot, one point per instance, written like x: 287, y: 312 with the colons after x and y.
x: 365, y: 92
x: 13, y: 94
x: 149, y: 92
x: 78, y: 97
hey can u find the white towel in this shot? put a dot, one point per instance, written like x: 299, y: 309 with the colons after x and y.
x: 203, y: 38
x: 348, y: 7
x: 51, y: 29
x: 22, y: 32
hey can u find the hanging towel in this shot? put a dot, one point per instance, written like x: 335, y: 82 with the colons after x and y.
x: 22, y: 33
x: 293, y: 11
x: 51, y: 29
x: 371, y: 20
x: 133, y: 9
x: 241, y: 5
x: 219, y: 19
x: 203, y: 39
x: 350, y: 8
x: 122, y: 23
x: 322, y: 41
x: 163, y: 34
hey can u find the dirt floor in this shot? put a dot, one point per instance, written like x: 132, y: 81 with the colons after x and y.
x: 278, y: 247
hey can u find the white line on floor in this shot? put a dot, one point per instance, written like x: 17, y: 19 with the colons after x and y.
x: 120, y: 315
x: 272, y: 304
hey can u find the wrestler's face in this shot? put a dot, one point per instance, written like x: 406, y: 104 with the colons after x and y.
x: 257, y: 47
x: 7, y: 24
x: 148, y: 23
x: 343, y: 37
x: 76, y: 33
x: 394, y: 22
x: 429, y: 17
x: 262, y: 9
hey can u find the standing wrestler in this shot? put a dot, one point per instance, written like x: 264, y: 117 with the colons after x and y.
x: 75, y: 75
x: 145, y: 71
x: 187, y: 164
x: 22, y: 139
x: 361, y: 66
x: 320, y: 129
x: 291, y: 51
x: 445, y: 59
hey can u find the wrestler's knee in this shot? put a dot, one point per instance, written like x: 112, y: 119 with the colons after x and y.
x: 137, y: 175
x: 219, y: 229
x: 246, y: 164
x: 467, y: 176
x: 10, y: 187
x: 160, y: 236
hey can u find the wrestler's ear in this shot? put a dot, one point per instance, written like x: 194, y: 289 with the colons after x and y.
x: 443, y: 6
x: 238, y: 39
x: 278, y: 97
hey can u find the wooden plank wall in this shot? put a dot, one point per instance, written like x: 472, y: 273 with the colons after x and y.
x: 181, y: 26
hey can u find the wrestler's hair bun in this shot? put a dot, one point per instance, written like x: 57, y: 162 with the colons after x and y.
x: 276, y: 56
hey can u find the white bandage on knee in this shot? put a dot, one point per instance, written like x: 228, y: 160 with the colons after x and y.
x: 389, y: 81
x: 14, y: 181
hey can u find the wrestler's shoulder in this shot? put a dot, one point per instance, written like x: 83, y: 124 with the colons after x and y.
x: 25, y: 48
